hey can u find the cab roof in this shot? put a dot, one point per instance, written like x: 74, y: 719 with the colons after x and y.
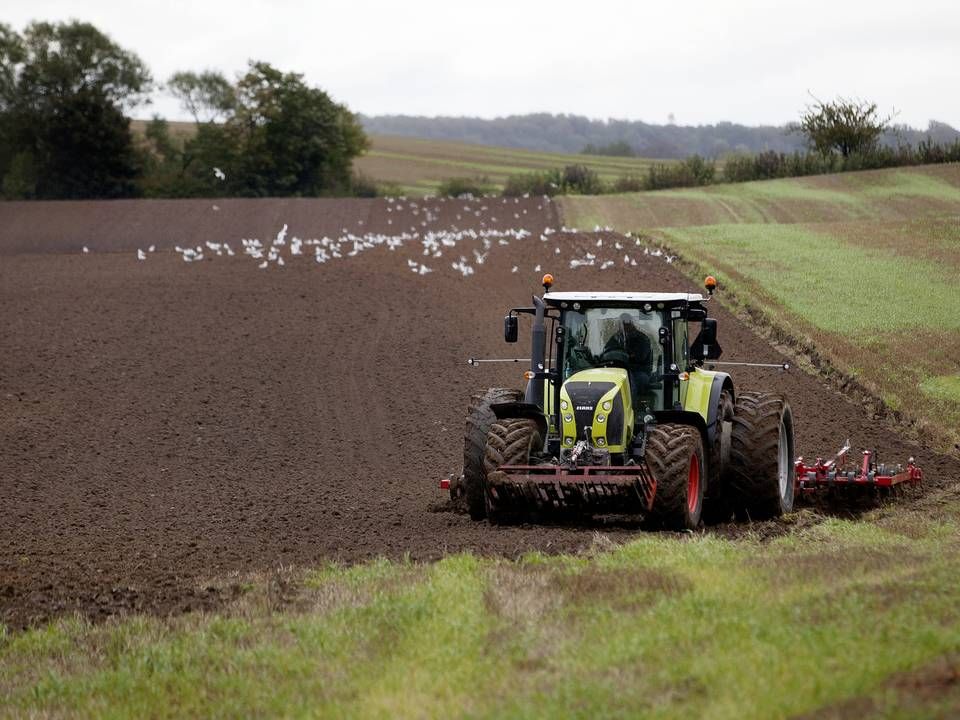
x: 555, y: 298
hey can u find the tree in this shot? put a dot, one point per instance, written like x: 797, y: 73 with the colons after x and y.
x: 844, y: 126
x: 276, y: 136
x: 64, y: 92
x: 207, y: 96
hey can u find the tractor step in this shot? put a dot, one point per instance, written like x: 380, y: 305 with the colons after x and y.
x: 836, y: 473
x: 628, y: 488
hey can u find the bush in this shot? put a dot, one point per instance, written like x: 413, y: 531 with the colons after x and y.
x: 548, y: 182
x: 458, y: 187
x: 692, y: 172
x: 363, y: 186
x: 581, y: 180
x: 620, y: 148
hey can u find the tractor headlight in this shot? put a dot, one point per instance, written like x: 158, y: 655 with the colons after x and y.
x: 601, y: 442
x: 607, y: 405
x: 564, y: 405
x: 568, y: 441
x: 601, y: 418
x: 568, y: 418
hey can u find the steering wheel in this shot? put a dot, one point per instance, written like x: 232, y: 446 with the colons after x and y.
x: 614, y: 357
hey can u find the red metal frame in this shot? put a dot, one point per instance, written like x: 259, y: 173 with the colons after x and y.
x: 558, y: 484
x: 831, y: 473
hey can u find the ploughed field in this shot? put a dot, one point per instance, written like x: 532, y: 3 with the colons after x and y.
x: 172, y: 422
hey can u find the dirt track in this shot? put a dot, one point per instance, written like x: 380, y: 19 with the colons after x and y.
x: 165, y: 423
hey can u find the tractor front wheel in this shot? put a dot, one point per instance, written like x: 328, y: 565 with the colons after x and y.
x: 511, y: 441
x: 479, y: 419
x: 761, y: 456
x: 675, y: 456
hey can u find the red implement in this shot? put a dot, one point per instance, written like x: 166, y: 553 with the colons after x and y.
x: 835, y: 473
x: 558, y: 486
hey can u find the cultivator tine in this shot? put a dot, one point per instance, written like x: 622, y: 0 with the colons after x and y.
x: 552, y: 487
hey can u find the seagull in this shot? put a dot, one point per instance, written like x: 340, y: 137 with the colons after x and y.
x: 152, y: 248
x: 86, y: 249
x: 141, y: 255
x: 219, y: 174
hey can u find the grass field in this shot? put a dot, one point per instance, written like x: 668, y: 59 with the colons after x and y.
x: 840, y: 617
x: 863, y: 265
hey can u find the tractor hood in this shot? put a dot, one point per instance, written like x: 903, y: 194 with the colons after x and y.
x: 598, y: 399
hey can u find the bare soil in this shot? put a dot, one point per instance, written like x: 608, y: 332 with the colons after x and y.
x: 167, y: 424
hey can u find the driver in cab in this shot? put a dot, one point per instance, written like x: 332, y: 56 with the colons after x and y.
x: 637, y: 348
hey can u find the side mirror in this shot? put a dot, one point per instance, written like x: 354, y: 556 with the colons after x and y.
x: 510, y: 328
x: 705, y: 346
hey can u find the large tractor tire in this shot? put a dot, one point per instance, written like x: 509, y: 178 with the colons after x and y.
x: 718, y: 503
x: 675, y: 457
x: 479, y: 419
x: 511, y: 441
x: 761, y: 456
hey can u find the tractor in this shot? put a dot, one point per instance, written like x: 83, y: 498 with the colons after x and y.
x: 619, y: 416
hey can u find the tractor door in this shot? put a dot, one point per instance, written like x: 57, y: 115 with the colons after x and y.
x: 680, y: 352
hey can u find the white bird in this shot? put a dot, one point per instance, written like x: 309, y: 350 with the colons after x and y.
x: 219, y: 174
x: 152, y: 248
x: 263, y: 265
x: 514, y: 269
x: 537, y: 269
x: 86, y: 249
x: 141, y: 255
x: 216, y: 208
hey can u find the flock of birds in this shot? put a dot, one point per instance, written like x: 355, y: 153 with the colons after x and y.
x: 440, y: 242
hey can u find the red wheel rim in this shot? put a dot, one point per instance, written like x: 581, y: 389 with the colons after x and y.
x: 693, y: 484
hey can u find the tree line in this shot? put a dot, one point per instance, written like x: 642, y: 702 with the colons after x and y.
x: 575, y: 134
x: 66, y: 90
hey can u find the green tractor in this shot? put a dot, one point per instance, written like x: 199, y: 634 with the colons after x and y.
x: 620, y: 416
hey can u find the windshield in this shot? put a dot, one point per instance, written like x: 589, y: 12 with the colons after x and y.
x: 616, y: 337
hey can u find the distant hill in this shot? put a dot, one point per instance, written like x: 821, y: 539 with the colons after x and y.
x: 572, y: 133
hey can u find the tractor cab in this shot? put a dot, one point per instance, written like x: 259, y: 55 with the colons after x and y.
x: 607, y: 360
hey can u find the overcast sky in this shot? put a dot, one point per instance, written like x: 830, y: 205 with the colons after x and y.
x: 745, y: 61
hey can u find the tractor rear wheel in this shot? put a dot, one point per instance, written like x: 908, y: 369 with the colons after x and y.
x: 479, y: 419
x: 761, y: 456
x: 675, y: 456
x: 511, y: 441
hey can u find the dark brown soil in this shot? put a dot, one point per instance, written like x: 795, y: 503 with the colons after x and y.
x: 164, y: 424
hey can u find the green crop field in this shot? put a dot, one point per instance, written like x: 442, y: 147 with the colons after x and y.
x: 419, y: 166
x: 864, y: 265
x: 840, y: 617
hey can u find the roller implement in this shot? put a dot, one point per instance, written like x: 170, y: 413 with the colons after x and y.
x: 619, y: 415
